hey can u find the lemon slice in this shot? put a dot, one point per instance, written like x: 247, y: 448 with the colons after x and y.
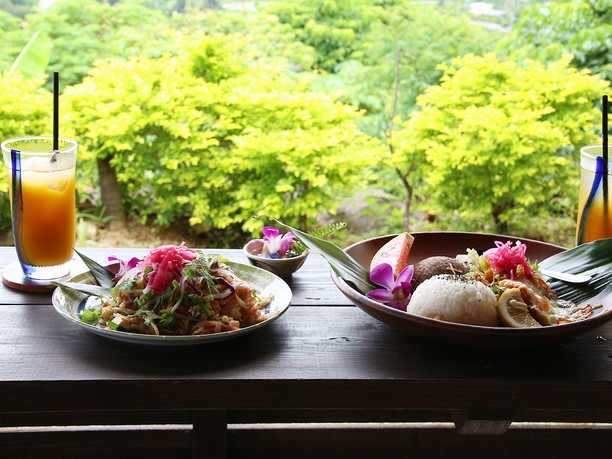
x: 513, y: 311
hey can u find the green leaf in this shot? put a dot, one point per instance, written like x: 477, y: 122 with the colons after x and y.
x: 103, y: 276
x: 593, y: 258
x: 343, y: 264
x: 34, y: 57
x: 88, y: 289
x: 321, y: 233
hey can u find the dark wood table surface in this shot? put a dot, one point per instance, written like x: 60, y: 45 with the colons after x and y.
x: 324, y: 379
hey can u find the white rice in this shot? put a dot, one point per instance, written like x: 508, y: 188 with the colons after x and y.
x: 455, y: 299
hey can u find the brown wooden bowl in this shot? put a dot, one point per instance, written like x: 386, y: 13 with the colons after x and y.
x: 428, y: 244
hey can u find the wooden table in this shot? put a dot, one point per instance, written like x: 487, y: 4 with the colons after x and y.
x: 324, y: 380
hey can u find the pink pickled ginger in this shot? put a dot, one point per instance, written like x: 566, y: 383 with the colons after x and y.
x: 167, y: 262
x: 505, y: 258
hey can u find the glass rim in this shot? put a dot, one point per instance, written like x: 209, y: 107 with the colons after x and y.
x: 74, y: 144
x: 584, y: 151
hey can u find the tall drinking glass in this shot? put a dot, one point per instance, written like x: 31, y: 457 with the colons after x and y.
x: 42, y: 192
x: 595, y: 203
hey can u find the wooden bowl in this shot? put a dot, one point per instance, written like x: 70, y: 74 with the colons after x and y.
x: 282, y: 267
x: 428, y: 244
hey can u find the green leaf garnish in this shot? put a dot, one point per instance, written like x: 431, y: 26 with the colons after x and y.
x: 90, y: 316
x: 200, y: 268
x: 202, y: 304
x: 593, y: 258
x: 321, y: 233
x: 103, y: 276
x: 167, y: 318
x: 88, y: 289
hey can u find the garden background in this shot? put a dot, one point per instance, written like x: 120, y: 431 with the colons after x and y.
x: 391, y: 115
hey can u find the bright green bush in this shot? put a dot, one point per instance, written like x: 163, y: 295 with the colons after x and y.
x: 83, y: 31
x: 496, y: 143
x: 14, y: 39
x: 548, y: 31
x: 204, y: 137
x: 331, y: 27
x: 397, y: 58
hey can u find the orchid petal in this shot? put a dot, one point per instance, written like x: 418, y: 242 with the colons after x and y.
x: 286, y: 242
x: 381, y: 295
x: 405, y: 275
x: 270, y: 232
x: 401, y: 305
x: 383, y: 275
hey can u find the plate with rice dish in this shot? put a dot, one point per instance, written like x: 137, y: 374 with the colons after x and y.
x: 473, y: 289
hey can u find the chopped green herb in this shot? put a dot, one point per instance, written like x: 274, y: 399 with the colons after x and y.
x: 202, y: 303
x: 167, y: 319
x: 200, y: 268
x: 90, y: 316
x: 112, y: 324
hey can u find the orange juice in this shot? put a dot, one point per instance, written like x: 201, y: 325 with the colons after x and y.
x: 42, y: 191
x: 47, y: 217
x: 596, y: 223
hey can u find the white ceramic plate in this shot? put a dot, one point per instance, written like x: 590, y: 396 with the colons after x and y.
x: 71, y: 304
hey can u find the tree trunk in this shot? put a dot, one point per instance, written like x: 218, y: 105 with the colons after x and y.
x: 111, y: 194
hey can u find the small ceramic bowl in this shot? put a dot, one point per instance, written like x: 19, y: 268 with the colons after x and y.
x: 282, y: 267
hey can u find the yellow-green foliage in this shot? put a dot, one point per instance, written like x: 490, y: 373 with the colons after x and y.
x: 197, y: 136
x: 498, y: 141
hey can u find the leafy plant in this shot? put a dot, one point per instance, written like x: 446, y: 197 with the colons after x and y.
x: 497, y: 142
x: 34, y: 57
x: 547, y: 32
x: 205, y: 138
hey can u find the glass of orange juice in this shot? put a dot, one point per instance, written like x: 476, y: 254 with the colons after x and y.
x: 42, y: 192
x: 595, y: 202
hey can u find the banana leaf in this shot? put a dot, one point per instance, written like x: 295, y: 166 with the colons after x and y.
x: 100, y: 274
x: 88, y: 289
x: 593, y: 258
x: 103, y: 276
x: 343, y: 264
x: 34, y: 57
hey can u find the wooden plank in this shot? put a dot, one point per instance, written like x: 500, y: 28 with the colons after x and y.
x: 209, y: 434
x: 95, y: 417
x: 306, y: 343
x: 330, y: 357
x: 278, y: 416
x: 307, y: 441
x: 424, y: 442
x: 114, y: 443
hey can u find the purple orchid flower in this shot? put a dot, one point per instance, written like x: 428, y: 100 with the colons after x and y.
x: 276, y: 245
x: 124, y: 266
x: 397, y: 290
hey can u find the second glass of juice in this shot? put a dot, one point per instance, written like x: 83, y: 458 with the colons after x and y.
x: 595, y: 202
x: 42, y: 192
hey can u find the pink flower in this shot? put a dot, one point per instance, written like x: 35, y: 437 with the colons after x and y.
x: 275, y: 244
x: 505, y: 258
x: 124, y: 266
x: 397, y: 290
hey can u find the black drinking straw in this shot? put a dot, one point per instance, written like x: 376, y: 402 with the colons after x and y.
x: 55, y: 111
